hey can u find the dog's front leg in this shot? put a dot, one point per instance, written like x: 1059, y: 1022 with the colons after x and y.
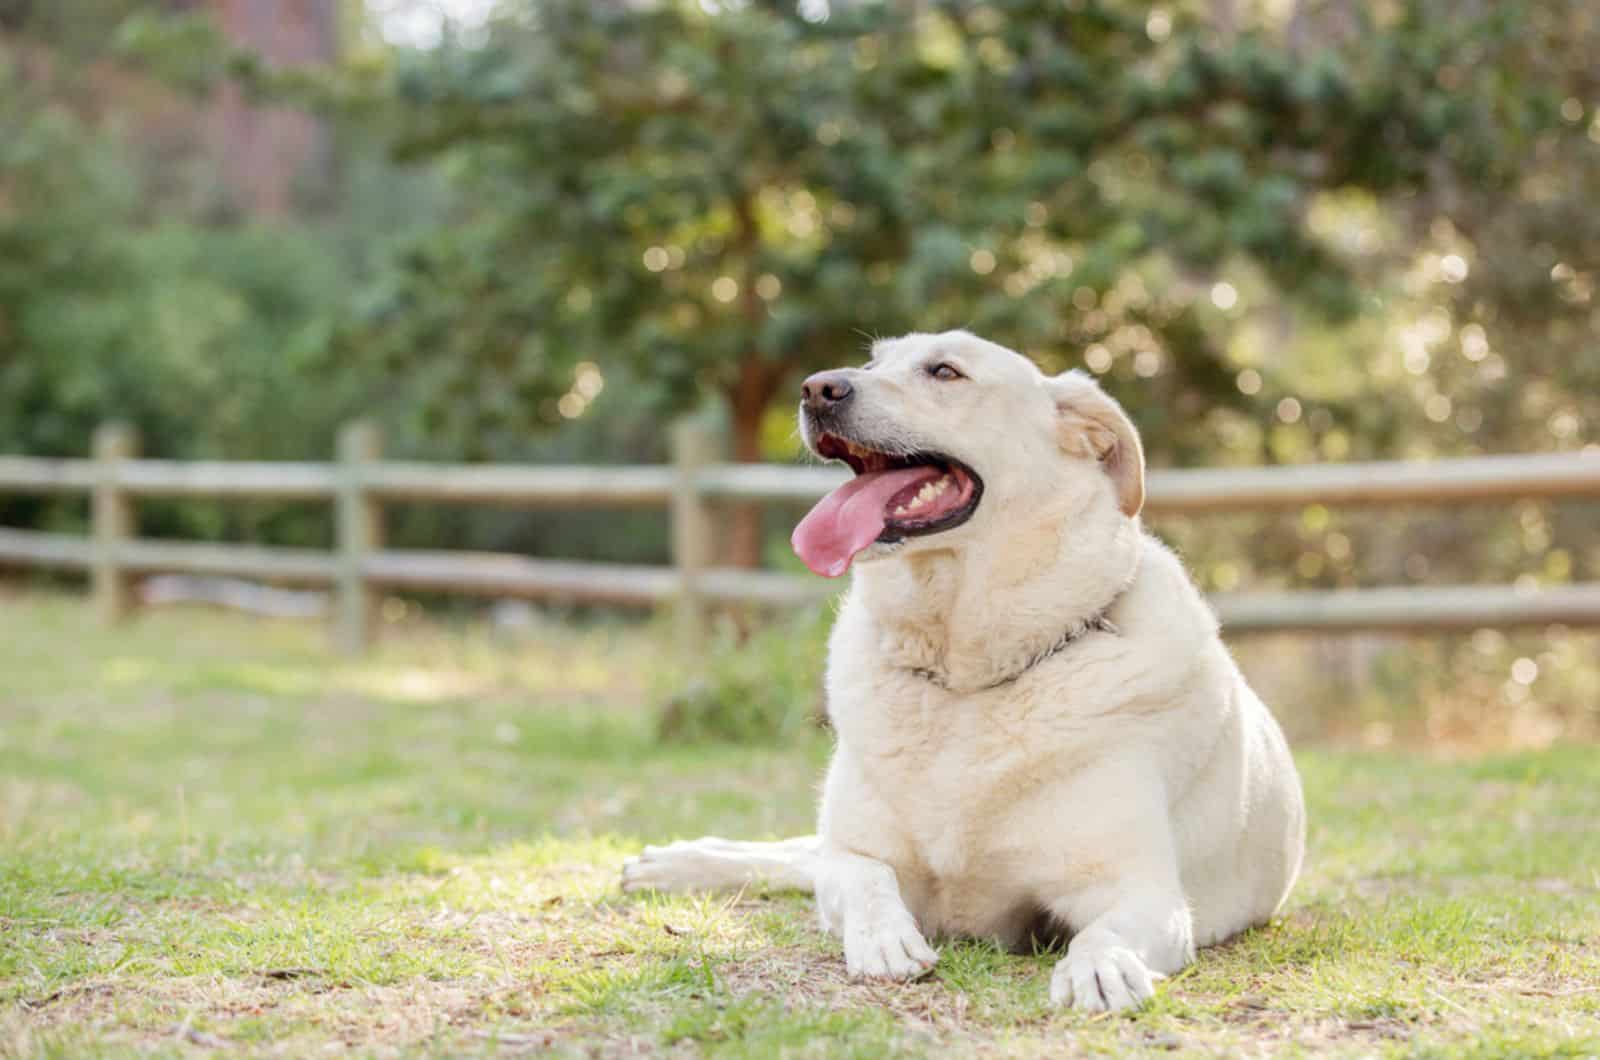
x: 1130, y: 919
x: 1114, y: 961
x: 859, y: 901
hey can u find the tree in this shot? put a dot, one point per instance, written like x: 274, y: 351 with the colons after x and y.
x: 273, y: 160
x: 114, y: 304
x: 715, y: 198
x: 722, y: 197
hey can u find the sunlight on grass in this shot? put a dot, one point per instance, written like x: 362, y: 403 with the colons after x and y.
x: 235, y: 834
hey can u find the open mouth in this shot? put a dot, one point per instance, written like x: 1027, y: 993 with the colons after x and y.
x: 893, y: 496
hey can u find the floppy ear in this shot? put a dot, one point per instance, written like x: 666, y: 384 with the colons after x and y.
x: 1090, y: 424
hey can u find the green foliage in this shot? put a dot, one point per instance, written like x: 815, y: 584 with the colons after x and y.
x: 204, y: 338
x: 765, y: 688
x: 65, y: 269
x: 120, y: 299
x: 710, y: 199
x: 720, y: 200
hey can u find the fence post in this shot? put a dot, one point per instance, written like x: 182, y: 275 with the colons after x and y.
x: 360, y: 532
x: 693, y: 447
x: 113, y: 522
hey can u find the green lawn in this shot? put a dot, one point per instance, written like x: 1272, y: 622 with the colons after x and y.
x: 215, y: 837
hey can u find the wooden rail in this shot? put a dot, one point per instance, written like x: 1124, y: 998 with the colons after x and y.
x: 1482, y: 478
x: 359, y: 484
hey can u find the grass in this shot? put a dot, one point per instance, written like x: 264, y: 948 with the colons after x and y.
x: 213, y: 837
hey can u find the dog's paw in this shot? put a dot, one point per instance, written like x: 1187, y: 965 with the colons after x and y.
x: 1102, y: 979
x: 681, y: 866
x: 891, y: 948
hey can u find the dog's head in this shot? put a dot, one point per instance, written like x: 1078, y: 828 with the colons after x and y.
x: 950, y: 437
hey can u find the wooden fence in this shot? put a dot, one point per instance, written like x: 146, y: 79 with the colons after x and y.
x: 360, y: 483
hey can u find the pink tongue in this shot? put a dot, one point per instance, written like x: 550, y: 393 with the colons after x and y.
x: 851, y: 518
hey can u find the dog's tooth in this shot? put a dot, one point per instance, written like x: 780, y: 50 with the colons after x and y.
x: 902, y: 510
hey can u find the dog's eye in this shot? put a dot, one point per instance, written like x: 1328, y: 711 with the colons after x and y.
x: 944, y: 372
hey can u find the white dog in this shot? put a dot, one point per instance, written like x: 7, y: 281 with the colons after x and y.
x: 1038, y: 726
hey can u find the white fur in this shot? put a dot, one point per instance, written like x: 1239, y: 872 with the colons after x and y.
x: 1130, y: 788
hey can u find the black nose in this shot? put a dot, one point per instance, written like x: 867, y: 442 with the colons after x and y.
x: 825, y: 390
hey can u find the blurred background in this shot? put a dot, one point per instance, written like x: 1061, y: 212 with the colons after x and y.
x: 537, y: 231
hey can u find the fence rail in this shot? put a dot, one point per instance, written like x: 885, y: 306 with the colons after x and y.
x: 360, y: 483
x: 1483, y: 478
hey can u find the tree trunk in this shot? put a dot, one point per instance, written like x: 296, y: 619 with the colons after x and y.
x: 747, y: 401
x: 268, y: 156
x: 1225, y: 18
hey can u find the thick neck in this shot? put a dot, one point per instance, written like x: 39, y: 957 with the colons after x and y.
x: 975, y: 617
